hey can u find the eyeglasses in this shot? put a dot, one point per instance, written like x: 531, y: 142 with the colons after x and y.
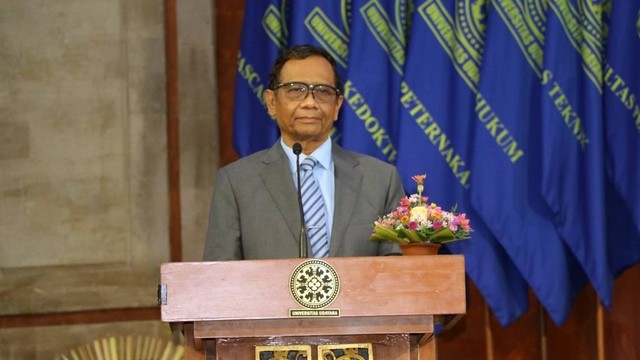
x: 297, y: 91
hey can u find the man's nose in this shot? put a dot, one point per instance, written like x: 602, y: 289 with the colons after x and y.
x: 310, y: 99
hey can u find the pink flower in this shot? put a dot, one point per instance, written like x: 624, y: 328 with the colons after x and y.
x: 419, y: 179
x: 464, y: 222
x: 453, y: 225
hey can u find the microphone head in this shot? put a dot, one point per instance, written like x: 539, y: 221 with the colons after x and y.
x: 297, y: 148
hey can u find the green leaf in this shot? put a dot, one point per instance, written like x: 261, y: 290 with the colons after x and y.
x: 444, y: 234
x: 385, y: 234
x: 412, y: 235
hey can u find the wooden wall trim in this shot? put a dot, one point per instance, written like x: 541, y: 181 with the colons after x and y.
x: 487, y: 330
x: 81, y: 317
x: 173, y: 129
x: 228, y: 26
x: 600, y: 329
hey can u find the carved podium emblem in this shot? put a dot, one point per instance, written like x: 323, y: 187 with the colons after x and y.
x: 314, y: 284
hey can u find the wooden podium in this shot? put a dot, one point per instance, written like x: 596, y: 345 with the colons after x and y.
x: 389, y: 303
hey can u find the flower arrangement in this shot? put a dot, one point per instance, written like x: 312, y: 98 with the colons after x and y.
x: 416, y: 221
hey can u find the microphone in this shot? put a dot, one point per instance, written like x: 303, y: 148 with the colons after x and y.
x: 304, y: 252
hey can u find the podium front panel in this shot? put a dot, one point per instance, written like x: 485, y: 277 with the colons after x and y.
x: 260, y: 289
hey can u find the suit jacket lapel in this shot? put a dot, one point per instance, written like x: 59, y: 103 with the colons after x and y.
x: 276, y: 176
x: 348, y: 182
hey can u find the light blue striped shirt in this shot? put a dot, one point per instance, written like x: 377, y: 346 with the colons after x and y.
x: 323, y: 172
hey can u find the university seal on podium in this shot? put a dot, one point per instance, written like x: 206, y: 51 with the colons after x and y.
x: 314, y: 284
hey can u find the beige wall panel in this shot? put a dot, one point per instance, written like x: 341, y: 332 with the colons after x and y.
x: 66, y: 202
x: 199, y: 150
x: 83, y: 184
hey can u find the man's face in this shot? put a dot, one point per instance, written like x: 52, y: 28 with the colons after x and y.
x: 307, y: 121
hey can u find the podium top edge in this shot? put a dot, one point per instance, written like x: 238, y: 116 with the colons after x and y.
x: 443, y: 257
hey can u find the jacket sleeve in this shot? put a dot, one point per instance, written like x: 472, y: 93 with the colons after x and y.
x: 394, y: 194
x: 223, y: 240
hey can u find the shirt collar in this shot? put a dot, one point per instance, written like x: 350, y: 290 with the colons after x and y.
x: 322, y: 154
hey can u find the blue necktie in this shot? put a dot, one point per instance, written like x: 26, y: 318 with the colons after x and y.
x: 314, y: 211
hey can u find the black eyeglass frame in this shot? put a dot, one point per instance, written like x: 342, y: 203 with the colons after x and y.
x: 311, y: 88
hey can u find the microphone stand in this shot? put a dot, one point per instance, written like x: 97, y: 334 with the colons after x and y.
x: 304, y: 252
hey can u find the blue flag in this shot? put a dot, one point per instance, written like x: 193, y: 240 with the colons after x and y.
x: 323, y: 24
x: 264, y: 35
x: 621, y: 82
x: 436, y: 129
x: 370, y: 108
x: 572, y: 146
x: 507, y: 163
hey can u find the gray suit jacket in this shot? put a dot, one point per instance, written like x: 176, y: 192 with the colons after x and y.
x: 254, y: 212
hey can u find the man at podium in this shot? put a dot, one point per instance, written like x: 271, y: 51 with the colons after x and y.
x: 256, y: 211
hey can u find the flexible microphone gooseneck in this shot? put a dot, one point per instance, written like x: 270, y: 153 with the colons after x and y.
x: 304, y: 252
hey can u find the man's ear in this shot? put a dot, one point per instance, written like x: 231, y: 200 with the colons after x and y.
x: 339, y: 102
x: 270, y: 100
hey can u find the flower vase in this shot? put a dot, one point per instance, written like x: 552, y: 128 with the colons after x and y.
x: 420, y: 249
